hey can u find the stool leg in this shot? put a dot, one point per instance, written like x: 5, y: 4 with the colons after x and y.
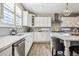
x: 53, y: 52
x: 71, y: 53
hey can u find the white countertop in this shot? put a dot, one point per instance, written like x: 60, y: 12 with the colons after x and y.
x: 65, y: 36
x: 7, y: 41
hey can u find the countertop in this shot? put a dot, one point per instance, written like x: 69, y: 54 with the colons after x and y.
x: 65, y: 36
x: 7, y: 41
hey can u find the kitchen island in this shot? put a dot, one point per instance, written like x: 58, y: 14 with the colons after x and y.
x: 68, y: 38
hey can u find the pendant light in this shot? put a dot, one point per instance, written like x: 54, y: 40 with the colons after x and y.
x: 67, y: 12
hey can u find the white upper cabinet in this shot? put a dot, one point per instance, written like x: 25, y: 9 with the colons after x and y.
x: 42, y: 21
x: 25, y: 18
x: 30, y: 20
x: 70, y: 22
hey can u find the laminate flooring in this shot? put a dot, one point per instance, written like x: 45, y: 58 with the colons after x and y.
x: 40, y: 49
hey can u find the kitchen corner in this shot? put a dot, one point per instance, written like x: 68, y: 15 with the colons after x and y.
x: 7, y: 41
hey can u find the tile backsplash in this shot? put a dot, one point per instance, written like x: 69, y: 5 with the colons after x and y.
x: 6, y: 31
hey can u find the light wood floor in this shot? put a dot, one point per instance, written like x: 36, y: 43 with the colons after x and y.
x: 40, y: 49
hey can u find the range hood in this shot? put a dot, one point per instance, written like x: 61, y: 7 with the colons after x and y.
x: 56, y: 18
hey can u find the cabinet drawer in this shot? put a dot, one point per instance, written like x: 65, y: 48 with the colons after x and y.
x: 6, y: 52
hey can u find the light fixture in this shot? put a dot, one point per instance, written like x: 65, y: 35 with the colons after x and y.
x: 67, y: 12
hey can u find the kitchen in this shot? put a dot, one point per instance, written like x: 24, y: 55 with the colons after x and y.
x: 29, y: 29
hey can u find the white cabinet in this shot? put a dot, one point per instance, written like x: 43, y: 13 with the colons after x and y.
x: 30, y: 20
x: 70, y: 22
x: 28, y: 44
x: 42, y: 21
x: 25, y: 18
x: 41, y: 37
x: 6, y: 52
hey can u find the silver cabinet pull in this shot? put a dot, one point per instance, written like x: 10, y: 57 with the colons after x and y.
x: 19, y: 43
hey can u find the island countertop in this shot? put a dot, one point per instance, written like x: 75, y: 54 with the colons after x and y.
x: 65, y: 36
x: 68, y: 38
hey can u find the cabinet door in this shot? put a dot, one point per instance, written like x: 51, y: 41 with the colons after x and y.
x: 30, y: 41
x: 43, y: 21
x: 68, y: 21
x: 41, y: 37
x: 25, y: 18
x: 29, y: 20
x: 37, y: 22
x: 6, y: 52
x: 26, y: 47
x: 28, y: 44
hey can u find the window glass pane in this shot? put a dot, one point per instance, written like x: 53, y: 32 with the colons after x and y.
x: 8, y: 13
x: 9, y: 6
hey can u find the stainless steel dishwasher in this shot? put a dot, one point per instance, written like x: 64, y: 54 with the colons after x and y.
x: 18, y: 48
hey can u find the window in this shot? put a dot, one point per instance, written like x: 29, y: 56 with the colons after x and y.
x: 18, y: 15
x: 12, y: 13
x: 8, y: 13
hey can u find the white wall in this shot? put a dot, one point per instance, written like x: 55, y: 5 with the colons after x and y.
x: 4, y: 31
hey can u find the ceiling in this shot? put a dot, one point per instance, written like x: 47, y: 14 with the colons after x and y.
x: 48, y: 9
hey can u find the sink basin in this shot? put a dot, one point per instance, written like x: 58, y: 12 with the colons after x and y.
x: 19, y: 34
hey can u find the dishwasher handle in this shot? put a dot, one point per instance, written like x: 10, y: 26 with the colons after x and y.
x: 19, y: 43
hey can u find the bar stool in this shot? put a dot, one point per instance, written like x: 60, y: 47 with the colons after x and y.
x: 58, y: 49
x: 74, y: 49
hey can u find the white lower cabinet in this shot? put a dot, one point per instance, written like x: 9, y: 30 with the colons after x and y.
x: 6, y: 52
x: 41, y: 36
x: 28, y: 44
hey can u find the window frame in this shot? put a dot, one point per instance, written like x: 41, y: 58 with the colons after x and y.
x: 7, y: 22
x: 2, y: 21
